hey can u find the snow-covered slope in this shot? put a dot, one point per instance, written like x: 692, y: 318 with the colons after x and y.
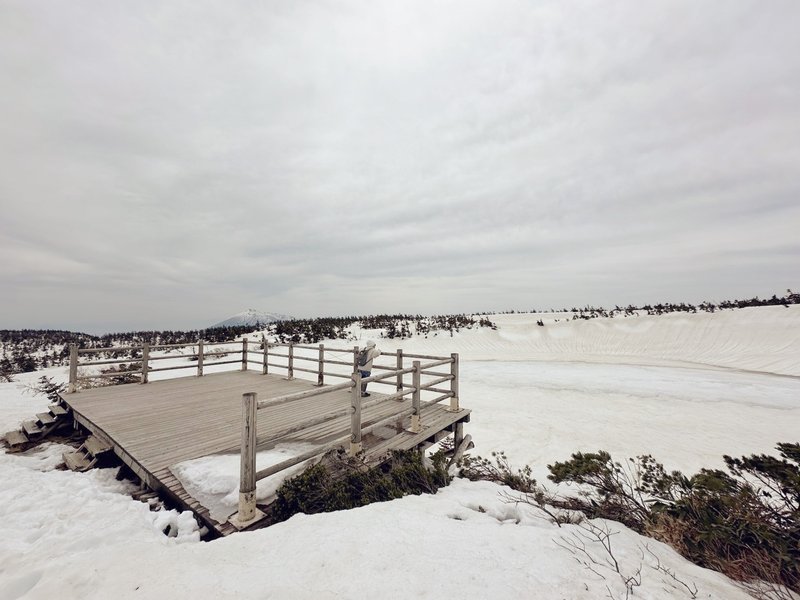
x: 763, y: 339
x: 252, y: 316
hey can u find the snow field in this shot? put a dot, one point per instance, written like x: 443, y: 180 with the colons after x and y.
x: 531, y: 400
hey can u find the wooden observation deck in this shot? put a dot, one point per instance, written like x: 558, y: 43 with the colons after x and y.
x: 154, y: 427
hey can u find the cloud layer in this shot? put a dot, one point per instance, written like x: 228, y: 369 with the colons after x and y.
x: 169, y: 164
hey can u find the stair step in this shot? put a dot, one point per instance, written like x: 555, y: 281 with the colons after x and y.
x: 95, y: 446
x: 16, y: 438
x: 77, y: 461
x: 45, y: 418
x: 57, y: 410
x: 31, y: 428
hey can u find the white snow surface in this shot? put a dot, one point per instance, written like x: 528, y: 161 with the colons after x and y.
x: 539, y: 393
x: 251, y: 316
x: 214, y: 480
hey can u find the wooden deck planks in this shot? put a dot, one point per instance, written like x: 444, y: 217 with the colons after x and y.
x: 165, y: 422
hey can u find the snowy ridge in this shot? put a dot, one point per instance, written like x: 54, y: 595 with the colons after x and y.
x: 252, y: 316
x: 765, y: 339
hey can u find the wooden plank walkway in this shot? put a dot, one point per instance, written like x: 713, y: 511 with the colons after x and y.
x: 155, y: 426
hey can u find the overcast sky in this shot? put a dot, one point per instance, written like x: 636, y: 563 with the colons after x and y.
x: 168, y: 164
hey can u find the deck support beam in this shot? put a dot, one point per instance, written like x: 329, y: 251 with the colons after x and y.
x: 248, y: 513
x: 355, y: 415
x: 416, y: 422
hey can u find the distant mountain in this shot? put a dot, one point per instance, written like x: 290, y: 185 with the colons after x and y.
x: 252, y: 317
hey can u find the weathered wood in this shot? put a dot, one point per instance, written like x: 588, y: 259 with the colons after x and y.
x: 399, y: 383
x: 57, y: 410
x: 16, y: 438
x: 303, y: 370
x: 454, y: 401
x: 77, y: 461
x: 95, y: 446
x: 247, y: 472
x: 416, y: 424
x: 436, y: 363
x: 300, y: 395
x: 73, y: 369
x: 265, y: 363
x: 244, y: 354
x: 355, y: 359
x: 462, y: 447
x: 200, y: 353
x: 169, y: 421
x: 145, y: 361
x: 31, y: 428
x: 435, y: 373
x: 355, y: 415
x: 112, y: 374
x: 291, y: 361
x: 45, y: 418
x: 434, y: 382
x: 439, y: 359
x: 174, y: 368
x: 111, y: 349
x: 321, y: 366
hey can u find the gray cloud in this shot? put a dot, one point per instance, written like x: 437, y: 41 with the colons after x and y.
x: 167, y: 164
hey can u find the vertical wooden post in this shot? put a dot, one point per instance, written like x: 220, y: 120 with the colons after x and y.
x: 145, y: 362
x: 265, y: 344
x: 73, y: 368
x: 200, y: 357
x: 416, y: 424
x: 458, y: 435
x: 247, y: 473
x: 454, y: 384
x: 355, y: 415
x: 399, y: 368
x: 355, y: 359
x: 291, y: 360
x: 244, y: 353
x: 321, y: 366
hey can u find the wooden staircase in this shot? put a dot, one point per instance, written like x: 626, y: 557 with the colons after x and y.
x: 34, y: 430
x: 87, y: 455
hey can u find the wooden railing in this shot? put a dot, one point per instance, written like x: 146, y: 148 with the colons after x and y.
x: 424, y: 378
x: 146, y: 359
x: 248, y: 513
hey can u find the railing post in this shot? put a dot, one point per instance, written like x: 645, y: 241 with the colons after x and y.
x: 244, y: 353
x: 265, y: 344
x: 399, y: 368
x: 355, y: 359
x: 355, y: 415
x: 454, y: 383
x: 247, y: 474
x: 200, y: 357
x: 416, y: 424
x: 321, y: 365
x: 291, y: 360
x: 145, y: 361
x: 73, y: 368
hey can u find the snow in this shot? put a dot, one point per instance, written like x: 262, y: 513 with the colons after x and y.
x: 214, y: 480
x: 638, y: 385
x: 252, y: 316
